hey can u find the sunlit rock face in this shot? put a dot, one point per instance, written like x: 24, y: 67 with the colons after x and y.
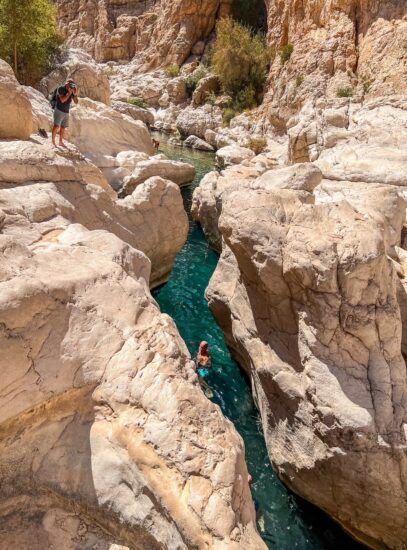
x: 307, y: 297
x: 355, y: 47
x: 103, y: 442
x: 157, y: 33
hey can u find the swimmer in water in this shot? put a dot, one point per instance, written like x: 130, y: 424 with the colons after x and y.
x: 203, y: 364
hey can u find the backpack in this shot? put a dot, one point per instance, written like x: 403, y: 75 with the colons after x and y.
x: 53, y: 98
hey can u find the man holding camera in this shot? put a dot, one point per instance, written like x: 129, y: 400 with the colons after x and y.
x: 64, y: 97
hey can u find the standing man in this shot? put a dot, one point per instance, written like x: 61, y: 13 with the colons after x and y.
x: 64, y: 97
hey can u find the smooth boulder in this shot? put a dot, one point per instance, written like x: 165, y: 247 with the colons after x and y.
x: 180, y: 173
x: 16, y: 121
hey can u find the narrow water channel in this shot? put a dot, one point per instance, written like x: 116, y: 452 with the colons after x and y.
x: 284, y: 521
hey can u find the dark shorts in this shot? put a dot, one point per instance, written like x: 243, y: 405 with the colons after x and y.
x: 61, y: 118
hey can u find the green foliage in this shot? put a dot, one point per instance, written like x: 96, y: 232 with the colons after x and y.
x: 172, y: 70
x: 228, y: 114
x: 285, y: 53
x: 193, y: 79
x: 240, y: 59
x: 344, y: 92
x: 138, y: 102
x: 299, y: 80
x: 29, y: 37
x: 366, y: 83
x: 210, y: 98
x: 257, y: 145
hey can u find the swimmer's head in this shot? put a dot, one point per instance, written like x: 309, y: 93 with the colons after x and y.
x: 203, y: 346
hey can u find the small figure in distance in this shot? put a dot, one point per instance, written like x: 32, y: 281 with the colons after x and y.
x: 203, y: 364
x: 202, y: 359
x: 156, y: 144
x: 64, y: 96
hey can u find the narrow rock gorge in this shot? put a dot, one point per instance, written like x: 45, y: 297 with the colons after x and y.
x: 110, y: 438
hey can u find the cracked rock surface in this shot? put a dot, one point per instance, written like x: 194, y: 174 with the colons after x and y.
x: 107, y: 440
x: 307, y: 292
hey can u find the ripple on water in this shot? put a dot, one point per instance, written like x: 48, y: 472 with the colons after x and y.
x: 284, y: 520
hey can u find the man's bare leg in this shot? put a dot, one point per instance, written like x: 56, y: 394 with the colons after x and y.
x: 61, y: 137
x: 55, y: 130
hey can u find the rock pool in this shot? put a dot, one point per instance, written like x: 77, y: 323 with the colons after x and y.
x: 285, y: 521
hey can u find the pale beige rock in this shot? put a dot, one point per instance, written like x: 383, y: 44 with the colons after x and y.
x: 353, y: 142
x: 69, y: 189
x: 195, y: 122
x: 38, y: 161
x: 307, y: 298
x: 101, y: 410
x: 165, y: 119
x: 205, y: 86
x: 158, y: 34
x: 16, y: 115
x: 78, y: 65
x: 101, y: 133
x: 41, y: 109
x: 208, y: 196
x: 180, y: 173
x: 197, y: 143
x: 137, y: 113
x: 336, y: 45
x: 232, y: 154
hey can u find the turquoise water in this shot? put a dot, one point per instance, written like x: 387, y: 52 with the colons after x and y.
x: 284, y: 521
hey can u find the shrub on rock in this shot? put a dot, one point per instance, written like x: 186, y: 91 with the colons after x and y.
x: 240, y: 60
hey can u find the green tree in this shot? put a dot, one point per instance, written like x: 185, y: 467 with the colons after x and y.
x: 240, y: 59
x: 28, y: 36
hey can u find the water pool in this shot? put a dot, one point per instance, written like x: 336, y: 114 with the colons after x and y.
x: 285, y: 521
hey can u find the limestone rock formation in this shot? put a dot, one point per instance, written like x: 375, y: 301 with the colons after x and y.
x: 180, y: 173
x: 42, y: 114
x: 338, y: 47
x: 207, y: 197
x: 195, y: 122
x: 232, y: 154
x: 152, y: 219
x: 101, y: 133
x: 195, y: 142
x: 100, y: 408
x: 78, y: 65
x: 205, y: 86
x: 136, y: 113
x: 157, y: 33
x: 307, y: 297
x: 351, y: 141
x: 16, y: 114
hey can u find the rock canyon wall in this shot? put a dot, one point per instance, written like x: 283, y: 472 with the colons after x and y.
x: 310, y: 294
x: 356, y: 47
x: 157, y: 32
x: 102, y: 443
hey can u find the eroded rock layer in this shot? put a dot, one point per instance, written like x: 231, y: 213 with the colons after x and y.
x: 310, y: 294
x: 348, y: 47
x: 106, y: 438
x: 157, y: 33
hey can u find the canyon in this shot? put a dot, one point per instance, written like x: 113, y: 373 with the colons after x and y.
x: 107, y: 437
